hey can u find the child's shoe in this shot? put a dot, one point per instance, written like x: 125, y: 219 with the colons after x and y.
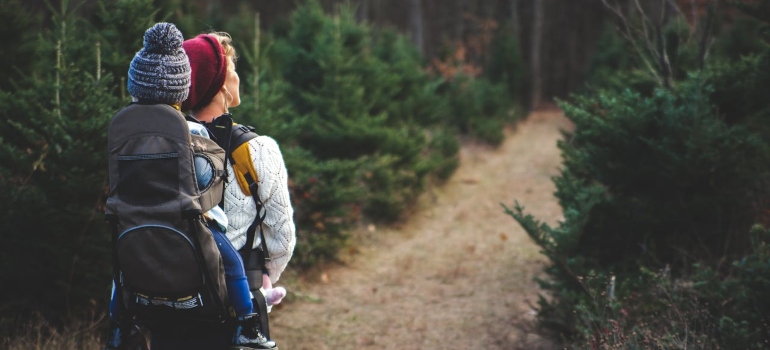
x: 248, y: 334
x: 125, y: 338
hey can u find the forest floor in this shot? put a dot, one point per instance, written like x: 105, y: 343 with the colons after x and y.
x: 457, y: 273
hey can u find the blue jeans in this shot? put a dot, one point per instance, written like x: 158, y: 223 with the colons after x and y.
x: 235, y: 274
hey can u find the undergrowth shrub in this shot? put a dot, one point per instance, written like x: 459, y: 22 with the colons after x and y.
x: 659, y: 182
x: 662, y: 185
x: 370, y: 126
x: 53, y: 179
x: 19, y: 32
x: 709, y: 309
x: 368, y: 114
x: 611, y: 67
x: 479, y: 108
x: 506, y: 65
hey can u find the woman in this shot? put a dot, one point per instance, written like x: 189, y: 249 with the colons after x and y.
x: 214, y: 89
x: 149, y: 85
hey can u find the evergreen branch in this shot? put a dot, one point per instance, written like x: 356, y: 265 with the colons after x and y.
x: 81, y: 239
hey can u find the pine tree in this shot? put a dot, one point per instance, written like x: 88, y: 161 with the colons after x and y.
x: 53, y: 175
x: 18, y: 33
x: 348, y: 90
x: 667, y: 179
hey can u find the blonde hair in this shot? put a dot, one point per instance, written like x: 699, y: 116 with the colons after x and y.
x: 227, y: 45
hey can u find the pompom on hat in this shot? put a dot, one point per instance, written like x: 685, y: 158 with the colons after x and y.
x: 160, y: 71
x: 209, y: 70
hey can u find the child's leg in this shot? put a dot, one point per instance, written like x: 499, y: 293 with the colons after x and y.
x: 114, y: 307
x: 235, y: 275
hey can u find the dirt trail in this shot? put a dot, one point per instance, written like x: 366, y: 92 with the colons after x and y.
x: 456, y: 275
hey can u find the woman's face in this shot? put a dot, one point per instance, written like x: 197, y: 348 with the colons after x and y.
x: 232, y: 83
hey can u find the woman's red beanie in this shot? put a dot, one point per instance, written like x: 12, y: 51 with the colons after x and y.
x: 209, y: 70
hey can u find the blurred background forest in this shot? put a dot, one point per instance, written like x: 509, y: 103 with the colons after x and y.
x: 664, y: 184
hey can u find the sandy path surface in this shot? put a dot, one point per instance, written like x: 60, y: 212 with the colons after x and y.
x: 456, y: 274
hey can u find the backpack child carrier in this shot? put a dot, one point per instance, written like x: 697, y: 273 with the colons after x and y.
x: 166, y: 265
x: 234, y: 139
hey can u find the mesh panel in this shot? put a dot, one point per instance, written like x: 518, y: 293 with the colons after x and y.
x: 204, y: 171
x: 148, y: 179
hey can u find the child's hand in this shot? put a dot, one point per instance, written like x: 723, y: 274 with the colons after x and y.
x: 272, y: 295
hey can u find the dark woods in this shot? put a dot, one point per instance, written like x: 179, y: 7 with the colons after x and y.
x: 560, y: 35
x: 664, y: 176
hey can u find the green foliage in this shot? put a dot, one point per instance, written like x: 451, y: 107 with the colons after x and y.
x: 758, y: 9
x: 119, y: 28
x: 666, y: 179
x: 708, y: 310
x: 652, y: 181
x: 479, y: 108
x: 52, y: 176
x: 612, y: 67
x: 443, y: 149
x: 18, y: 33
x: 408, y: 93
x: 738, y: 86
x: 620, y: 63
x: 506, y: 65
x: 654, y: 312
x: 325, y: 195
x: 738, y: 296
x: 363, y: 98
x: 740, y: 38
x: 669, y: 161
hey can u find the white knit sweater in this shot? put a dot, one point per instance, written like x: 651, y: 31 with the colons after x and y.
x: 278, y: 226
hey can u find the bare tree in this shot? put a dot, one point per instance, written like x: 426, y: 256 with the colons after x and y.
x: 416, y: 23
x: 646, y: 35
x: 535, y: 53
x: 363, y: 11
x: 515, y: 22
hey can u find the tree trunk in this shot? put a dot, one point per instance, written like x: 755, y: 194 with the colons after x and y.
x: 363, y: 11
x: 415, y: 23
x: 535, y: 53
x: 460, y: 20
x: 515, y: 22
x: 573, y: 58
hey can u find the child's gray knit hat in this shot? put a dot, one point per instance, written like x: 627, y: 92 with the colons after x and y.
x: 160, y: 71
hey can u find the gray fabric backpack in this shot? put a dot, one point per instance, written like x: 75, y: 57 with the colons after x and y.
x: 166, y: 264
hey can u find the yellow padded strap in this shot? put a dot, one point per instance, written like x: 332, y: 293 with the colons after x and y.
x: 243, y: 165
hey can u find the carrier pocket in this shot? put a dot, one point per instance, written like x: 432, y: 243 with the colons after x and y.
x: 160, y: 261
x: 148, y: 179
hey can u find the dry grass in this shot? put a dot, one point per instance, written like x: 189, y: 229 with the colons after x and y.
x: 39, y: 334
x: 457, y: 274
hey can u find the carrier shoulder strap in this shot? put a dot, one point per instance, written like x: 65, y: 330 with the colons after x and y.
x: 234, y: 138
x: 240, y: 158
x: 248, y: 180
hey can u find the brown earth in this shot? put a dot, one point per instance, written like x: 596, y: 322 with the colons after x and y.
x: 457, y: 274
